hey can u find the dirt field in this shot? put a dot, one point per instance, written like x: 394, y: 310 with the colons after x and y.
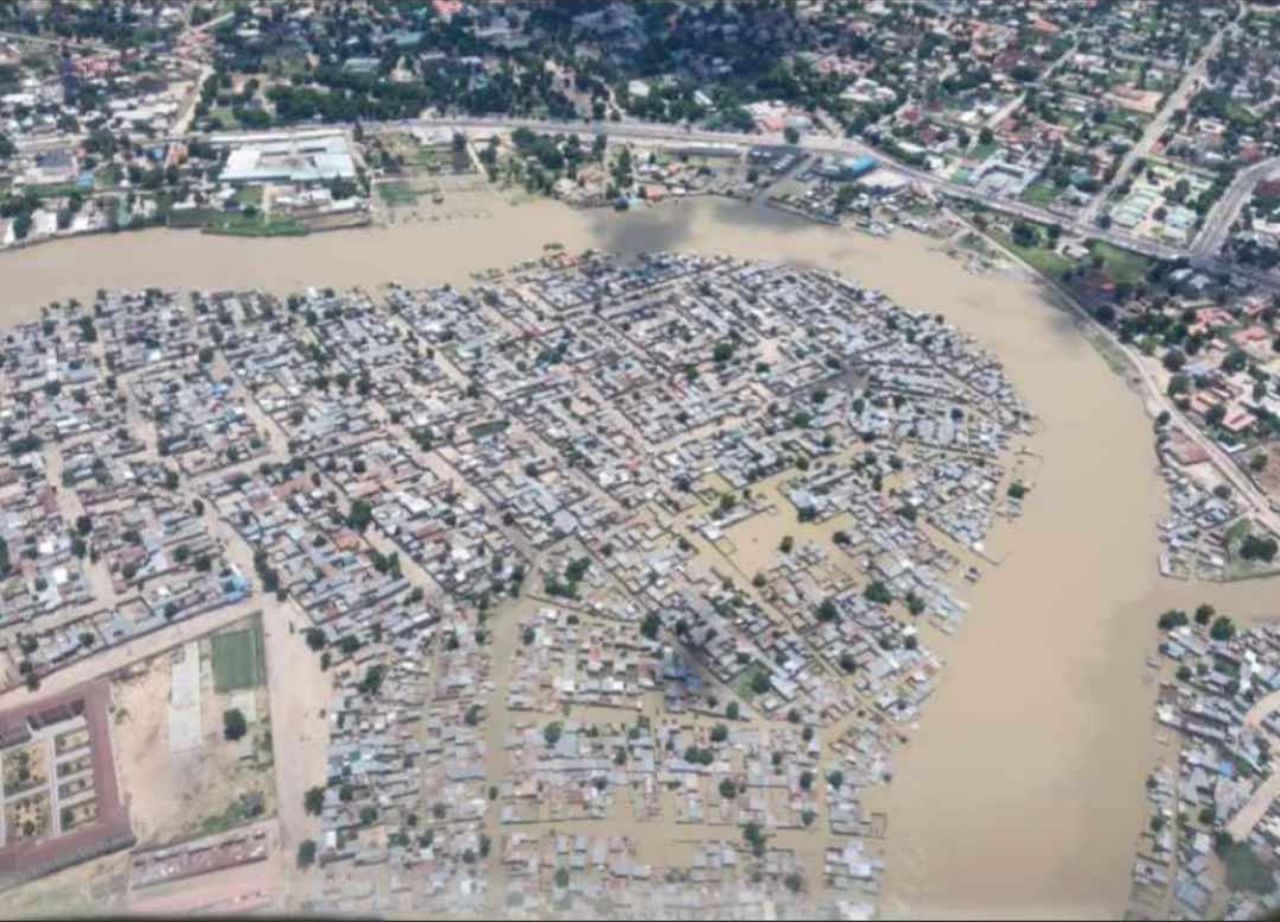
x: 176, y: 795
x: 95, y: 887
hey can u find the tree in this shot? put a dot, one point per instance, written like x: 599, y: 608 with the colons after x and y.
x: 551, y: 733
x: 313, y: 800
x: 719, y: 733
x: 1173, y: 618
x: 360, y: 516
x: 233, y: 725
x: 306, y: 853
x: 792, y: 134
x: 787, y: 544
x: 1256, y: 548
x: 315, y: 638
x: 1223, y: 629
x: 845, y: 194
x: 728, y: 790
x: 1204, y: 614
x: 1025, y: 235
x: 562, y: 878
x: 878, y: 593
x: 371, y: 684
x: 732, y: 710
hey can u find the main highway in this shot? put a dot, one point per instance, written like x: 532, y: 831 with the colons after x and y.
x: 1203, y: 254
x: 1222, y: 216
x: 1202, y: 257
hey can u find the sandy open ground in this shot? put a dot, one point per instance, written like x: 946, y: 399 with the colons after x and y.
x: 170, y: 793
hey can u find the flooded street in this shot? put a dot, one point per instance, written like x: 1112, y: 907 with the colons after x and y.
x: 1021, y: 791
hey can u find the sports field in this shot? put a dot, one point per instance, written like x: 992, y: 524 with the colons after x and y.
x: 237, y: 659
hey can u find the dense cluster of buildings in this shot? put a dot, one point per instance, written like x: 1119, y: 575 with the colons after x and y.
x: 1210, y: 845
x: 655, y: 544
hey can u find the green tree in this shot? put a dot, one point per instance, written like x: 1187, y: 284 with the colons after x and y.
x: 1223, y: 629
x: 234, y: 725
x: 313, y: 800
x: 306, y: 853
x: 878, y: 593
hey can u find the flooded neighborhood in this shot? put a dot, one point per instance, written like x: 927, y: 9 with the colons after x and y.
x: 1035, y: 608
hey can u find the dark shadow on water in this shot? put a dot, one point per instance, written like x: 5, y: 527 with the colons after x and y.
x: 644, y: 231
x: 668, y: 226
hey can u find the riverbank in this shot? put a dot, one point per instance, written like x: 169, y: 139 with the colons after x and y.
x: 1021, y: 790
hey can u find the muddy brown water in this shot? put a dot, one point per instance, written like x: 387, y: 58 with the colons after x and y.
x: 1021, y: 790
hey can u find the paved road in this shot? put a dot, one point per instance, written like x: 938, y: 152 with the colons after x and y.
x: 1190, y: 82
x: 1158, y: 400
x: 1261, y: 505
x: 1222, y: 217
x: 674, y: 135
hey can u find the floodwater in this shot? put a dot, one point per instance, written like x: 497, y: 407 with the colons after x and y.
x: 1020, y: 793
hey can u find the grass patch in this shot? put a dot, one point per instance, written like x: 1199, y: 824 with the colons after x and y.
x: 1123, y: 266
x: 236, y: 814
x: 249, y: 195
x: 1042, y: 258
x: 1041, y: 193
x: 240, y: 225
x: 744, y: 684
x: 428, y: 158
x: 237, y: 659
x: 55, y: 190
x: 982, y: 151
x: 192, y: 217
x: 397, y: 193
x: 1237, y: 566
x: 107, y: 176
x: 224, y: 118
